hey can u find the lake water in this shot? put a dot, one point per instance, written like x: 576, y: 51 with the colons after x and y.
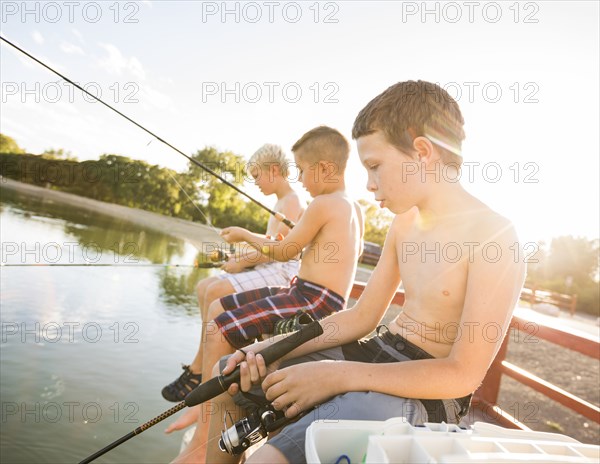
x: 85, y: 351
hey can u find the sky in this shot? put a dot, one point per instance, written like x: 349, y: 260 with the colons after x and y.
x: 236, y: 75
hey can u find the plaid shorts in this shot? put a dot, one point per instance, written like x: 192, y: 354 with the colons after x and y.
x: 253, y: 313
x: 275, y: 274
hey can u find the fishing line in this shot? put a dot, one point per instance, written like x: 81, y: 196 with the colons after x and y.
x: 206, y: 265
x: 278, y: 215
x: 219, y: 254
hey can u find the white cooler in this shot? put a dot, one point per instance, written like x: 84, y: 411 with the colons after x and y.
x: 395, y: 441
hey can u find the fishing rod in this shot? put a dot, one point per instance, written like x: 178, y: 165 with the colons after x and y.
x: 277, y: 215
x: 217, y: 385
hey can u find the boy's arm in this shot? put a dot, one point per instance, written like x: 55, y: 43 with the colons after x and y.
x: 493, y: 289
x: 315, y: 216
x: 247, y: 257
x: 356, y: 322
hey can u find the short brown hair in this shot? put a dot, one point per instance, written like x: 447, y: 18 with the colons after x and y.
x: 411, y: 109
x: 324, y: 144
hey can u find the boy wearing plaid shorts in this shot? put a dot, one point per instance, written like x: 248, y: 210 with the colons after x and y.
x: 250, y: 269
x: 329, y: 236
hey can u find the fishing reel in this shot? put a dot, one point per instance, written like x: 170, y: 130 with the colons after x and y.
x: 250, y: 430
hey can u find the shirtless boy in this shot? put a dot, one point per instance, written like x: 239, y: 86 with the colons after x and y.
x: 268, y: 166
x: 436, y: 352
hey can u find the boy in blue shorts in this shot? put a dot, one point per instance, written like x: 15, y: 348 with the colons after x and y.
x: 435, y: 353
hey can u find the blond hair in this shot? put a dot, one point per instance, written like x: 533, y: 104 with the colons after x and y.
x: 270, y: 154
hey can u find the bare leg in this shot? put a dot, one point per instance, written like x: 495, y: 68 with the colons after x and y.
x: 191, y: 415
x: 210, y: 334
x: 204, y: 444
x: 212, y: 348
x: 201, y: 288
x: 209, y: 290
x: 216, y: 345
x: 267, y: 453
x: 216, y: 290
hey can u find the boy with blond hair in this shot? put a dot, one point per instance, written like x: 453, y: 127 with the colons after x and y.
x: 249, y: 269
x: 426, y: 364
x: 329, y: 236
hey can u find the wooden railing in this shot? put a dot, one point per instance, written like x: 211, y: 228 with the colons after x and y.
x: 534, y: 295
x: 486, y: 397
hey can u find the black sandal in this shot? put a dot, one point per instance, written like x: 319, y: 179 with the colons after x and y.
x: 177, y: 391
x: 294, y: 323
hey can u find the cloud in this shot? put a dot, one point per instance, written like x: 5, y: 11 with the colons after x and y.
x: 77, y: 34
x: 38, y: 38
x: 70, y: 49
x: 116, y: 63
x: 153, y: 97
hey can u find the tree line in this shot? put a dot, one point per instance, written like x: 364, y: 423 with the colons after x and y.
x: 192, y: 195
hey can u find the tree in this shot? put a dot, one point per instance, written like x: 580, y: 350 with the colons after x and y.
x: 221, y: 204
x: 9, y: 145
x: 569, y: 265
x: 53, y: 153
x: 572, y: 257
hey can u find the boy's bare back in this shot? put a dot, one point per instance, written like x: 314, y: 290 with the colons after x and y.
x: 331, y: 257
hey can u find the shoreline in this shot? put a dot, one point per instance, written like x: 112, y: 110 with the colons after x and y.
x: 194, y: 233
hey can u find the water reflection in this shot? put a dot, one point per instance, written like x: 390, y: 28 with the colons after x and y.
x: 142, y: 323
x: 109, y: 240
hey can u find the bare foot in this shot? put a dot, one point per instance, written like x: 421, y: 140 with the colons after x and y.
x: 189, y: 417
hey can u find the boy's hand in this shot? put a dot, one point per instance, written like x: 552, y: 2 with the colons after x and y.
x: 234, y: 234
x: 253, y: 370
x: 300, y: 387
x: 233, y: 265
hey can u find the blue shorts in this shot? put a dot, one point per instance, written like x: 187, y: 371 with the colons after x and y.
x: 385, y: 347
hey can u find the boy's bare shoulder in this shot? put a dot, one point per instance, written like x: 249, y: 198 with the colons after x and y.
x: 489, y: 225
x: 331, y: 200
x: 292, y: 199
